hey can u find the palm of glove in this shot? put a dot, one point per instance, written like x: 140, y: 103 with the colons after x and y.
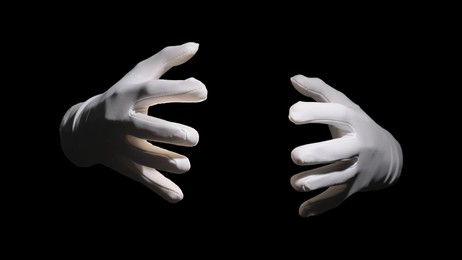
x: 362, y: 155
x: 113, y: 128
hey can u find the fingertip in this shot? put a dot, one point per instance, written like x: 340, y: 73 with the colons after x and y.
x: 298, y: 184
x: 177, y: 55
x: 190, y: 47
x: 306, y: 211
x: 312, y: 207
x: 184, y: 136
x: 297, y: 78
x: 200, y: 92
x: 193, y: 81
x: 174, y: 197
x: 311, y: 87
x: 304, y: 80
x: 297, y: 156
x: 296, y: 113
x: 159, y: 184
x: 191, y: 137
x: 182, y: 165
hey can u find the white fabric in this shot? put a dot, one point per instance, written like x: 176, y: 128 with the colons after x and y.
x: 113, y: 128
x: 361, y: 156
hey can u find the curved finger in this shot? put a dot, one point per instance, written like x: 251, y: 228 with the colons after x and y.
x: 327, y: 200
x: 155, y: 66
x: 155, y: 129
x: 147, y: 176
x: 319, y: 90
x: 327, y: 151
x: 167, y: 91
x: 333, y: 174
x: 144, y: 153
x: 333, y: 114
x: 158, y: 183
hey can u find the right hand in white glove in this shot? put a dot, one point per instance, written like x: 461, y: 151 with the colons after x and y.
x: 113, y: 128
x: 361, y: 156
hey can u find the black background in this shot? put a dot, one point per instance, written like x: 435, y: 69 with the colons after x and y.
x: 237, y: 193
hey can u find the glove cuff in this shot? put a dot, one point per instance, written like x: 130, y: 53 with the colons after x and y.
x: 70, y: 144
x: 397, y: 161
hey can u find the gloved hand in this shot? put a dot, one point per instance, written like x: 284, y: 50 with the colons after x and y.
x: 361, y: 156
x: 113, y: 128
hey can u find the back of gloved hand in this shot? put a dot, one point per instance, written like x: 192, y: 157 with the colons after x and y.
x: 361, y: 156
x: 113, y: 128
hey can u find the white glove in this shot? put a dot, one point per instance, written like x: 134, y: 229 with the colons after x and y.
x: 113, y: 128
x: 362, y: 155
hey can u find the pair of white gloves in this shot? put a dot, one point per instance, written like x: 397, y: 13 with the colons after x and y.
x: 113, y: 128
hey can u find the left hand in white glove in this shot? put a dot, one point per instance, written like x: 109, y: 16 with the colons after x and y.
x: 361, y: 156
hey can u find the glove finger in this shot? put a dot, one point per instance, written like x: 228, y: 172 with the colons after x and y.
x: 158, y: 183
x: 159, y: 130
x: 149, y: 177
x: 336, y: 173
x: 155, y: 66
x: 327, y: 151
x: 153, y: 156
x: 333, y: 114
x: 327, y: 200
x: 167, y: 91
x: 319, y: 90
